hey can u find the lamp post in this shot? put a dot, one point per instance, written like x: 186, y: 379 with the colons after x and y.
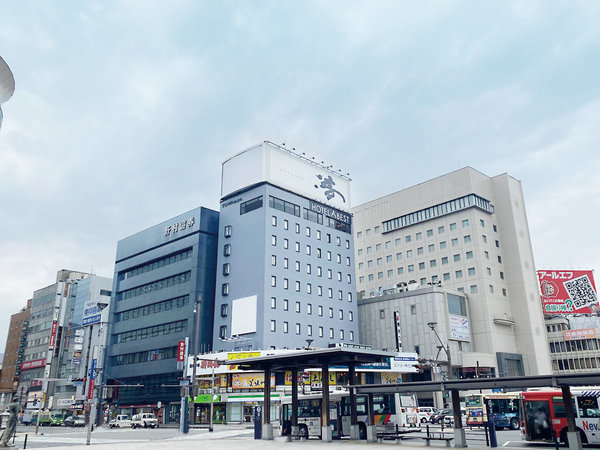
x: 446, y: 348
x: 192, y: 410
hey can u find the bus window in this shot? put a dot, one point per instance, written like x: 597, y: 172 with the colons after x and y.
x: 384, y: 404
x: 559, y: 407
x: 537, y: 415
x: 588, y: 407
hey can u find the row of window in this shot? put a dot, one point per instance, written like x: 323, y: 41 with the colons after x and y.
x: 298, y: 287
x: 155, y: 286
x: 148, y: 332
x: 575, y: 364
x: 432, y: 262
x: 309, y: 330
x: 144, y: 356
x: 251, y: 205
x: 309, y: 309
x: 297, y: 246
x: 154, y: 308
x: 440, y: 210
x: 577, y: 345
x: 153, y: 265
x: 308, y: 231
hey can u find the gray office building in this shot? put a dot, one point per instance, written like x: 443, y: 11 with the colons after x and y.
x: 286, y: 257
x: 160, y: 274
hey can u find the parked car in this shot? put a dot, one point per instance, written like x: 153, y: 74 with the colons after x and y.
x: 424, y: 413
x: 146, y: 420
x: 439, y: 416
x: 74, y: 421
x: 121, y: 421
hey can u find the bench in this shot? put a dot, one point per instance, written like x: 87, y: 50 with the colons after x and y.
x: 441, y: 437
x: 394, y: 433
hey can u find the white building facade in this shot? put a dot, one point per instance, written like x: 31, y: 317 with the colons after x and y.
x: 467, y: 232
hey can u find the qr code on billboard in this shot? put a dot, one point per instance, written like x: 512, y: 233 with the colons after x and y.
x: 581, y: 291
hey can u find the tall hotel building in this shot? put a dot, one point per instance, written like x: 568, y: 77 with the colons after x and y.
x: 286, y: 257
x: 160, y: 275
x: 466, y: 232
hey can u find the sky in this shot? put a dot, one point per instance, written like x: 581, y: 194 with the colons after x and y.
x: 124, y: 110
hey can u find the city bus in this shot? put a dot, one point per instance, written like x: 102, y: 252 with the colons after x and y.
x: 504, y: 405
x: 387, y: 411
x: 544, y: 415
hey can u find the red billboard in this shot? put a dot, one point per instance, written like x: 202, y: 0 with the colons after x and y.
x: 181, y: 351
x: 568, y: 291
x: 33, y: 364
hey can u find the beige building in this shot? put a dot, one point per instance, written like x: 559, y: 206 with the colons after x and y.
x: 573, y: 349
x: 467, y: 232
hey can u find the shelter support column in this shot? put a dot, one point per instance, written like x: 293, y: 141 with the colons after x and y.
x: 267, y: 428
x: 371, y: 430
x: 460, y: 439
x: 326, y: 434
x: 354, y: 430
x: 294, y: 417
x: 572, y: 434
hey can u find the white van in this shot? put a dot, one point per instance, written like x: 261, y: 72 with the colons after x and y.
x: 424, y: 413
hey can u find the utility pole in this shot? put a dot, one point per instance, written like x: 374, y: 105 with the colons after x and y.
x: 191, y: 415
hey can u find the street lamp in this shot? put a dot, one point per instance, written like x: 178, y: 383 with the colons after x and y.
x: 94, y: 373
x: 432, y: 325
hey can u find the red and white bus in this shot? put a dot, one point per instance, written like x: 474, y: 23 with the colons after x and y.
x: 544, y: 412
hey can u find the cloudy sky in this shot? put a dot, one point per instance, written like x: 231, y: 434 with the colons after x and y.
x: 124, y: 110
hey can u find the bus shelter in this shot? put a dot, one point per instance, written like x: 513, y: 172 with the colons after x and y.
x: 306, y: 359
x: 563, y: 382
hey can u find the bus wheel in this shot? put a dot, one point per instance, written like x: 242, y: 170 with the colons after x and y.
x: 514, y: 423
x: 303, y: 431
x: 362, y: 431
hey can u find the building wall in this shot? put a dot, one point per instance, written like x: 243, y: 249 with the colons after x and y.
x: 160, y: 273
x: 14, y: 350
x: 487, y: 255
x: 258, y: 253
x: 573, y: 350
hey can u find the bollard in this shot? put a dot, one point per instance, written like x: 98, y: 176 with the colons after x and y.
x: 25, y: 442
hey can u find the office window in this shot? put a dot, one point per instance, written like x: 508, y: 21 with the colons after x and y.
x: 338, y: 258
x: 444, y: 260
x: 497, y: 243
x: 453, y: 226
x: 331, y: 313
x: 420, y: 251
x: 319, y: 235
x: 379, y: 261
x: 347, y: 243
x: 297, y: 328
x: 309, y: 308
x: 358, y: 234
x: 388, y: 244
x: 273, y: 303
x: 329, y: 274
x: 285, y: 283
x: 474, y: 289
x: 298, y: 247
x: 350, y: 316
x: 471, y: 271
x: 328, y: 238
x: 286, y: 243
x: 456, y: 257
x: 431, y: 247
x: 223, y: 331
x: 370, y: 263
x: 273, y: 280
x: 390, y: 273
x: 361, y: 279
x: 224, y: 308
x: 227, y: 231
x: 398, y: 256
x: 491, y: 287
x: 419, y: 236
x: 349, y: 278
x: 297, y: 286
x: 309, y: 330
x: 347, y: 260
x: 286, y: 263
x: 274, y: 221
x: 489, y: 271
x: 320, y: 331
x: 432, y: 263
x: 377, y: 247
x: 320, y: 310
x: 481, y: 222
x: 407, y: 238
x: 504, y: 292
x: 400, y: 270
x: 397, y: 242
x: 411, y: 268
x: 286, y: 224
x: 458, y: 274
x: 297, y: 266
x: 308, y: 288
x: 446, y: 276
x: 273, y: 260
x: 500, y: 259
x: 331, y: 333
x: 454, y: 242
x: 350, y: 297
x: 441, y: 229
x: 319, y: 271
x: 423, y: 281
x: 371, y: 277
x: 328, y: 255
x: 227, y: 250
x: 377, y: 228
x: 285, y: 327
x: 467, y: 238
x: 486, y: 255
x: 318, y: 253
x: 379, y: 275
x: 341, y: 335
x: 413, y: 310
x: 330, y: 293
x: 494, y: 227
x: 465, y: 223
x: 308, y: 249
x: 251, y: 205
x: 409, y: 253
x: 421, y: 266
x: 308, y: 231
x: 469, y: 255
x: 308, y: 269
x: 226, y: 269
x: 442, y: 245
x: 286, y: 304
x: 502, y: 275
x: 388, y: 259
x: 297, y: 307
x: 273, y: 326
x: 225, y: 289
x: 484, y: 238
x: 351, y: 335
x: 297, y: 227
x: 429, y: 233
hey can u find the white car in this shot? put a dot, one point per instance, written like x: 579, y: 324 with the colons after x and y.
x: 146, y: 420
x: 122, y: 420
x: 424, y: 413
